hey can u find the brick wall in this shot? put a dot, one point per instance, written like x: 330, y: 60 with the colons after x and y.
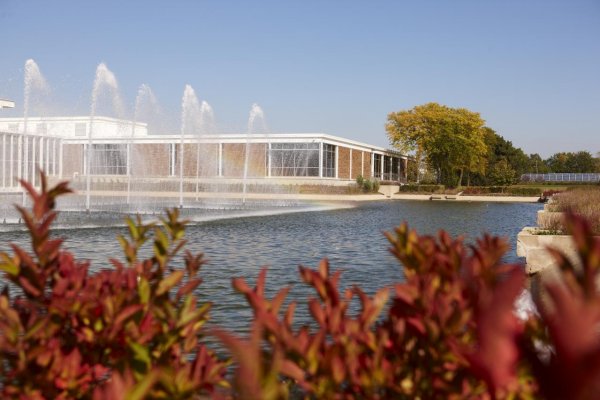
x: 150, y: 159
x: 343, y: 162
x: 233, y: 160
x: 356, y: 164
x: 234, y: 157
x: 367, y: 165
x: 72, y: 160
x: 209, y: 160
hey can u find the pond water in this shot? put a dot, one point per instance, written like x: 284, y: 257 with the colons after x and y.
x: 351, y: 238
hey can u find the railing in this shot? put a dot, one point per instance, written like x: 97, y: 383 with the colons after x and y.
x: 561, y: 177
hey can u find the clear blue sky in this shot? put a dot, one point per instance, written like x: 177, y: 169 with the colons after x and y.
x: 531, y: 68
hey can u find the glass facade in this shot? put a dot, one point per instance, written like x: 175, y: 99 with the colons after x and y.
x: 377, y: 166
x: 109, y: 159
x: 328, y: 160
x: 294, y: 159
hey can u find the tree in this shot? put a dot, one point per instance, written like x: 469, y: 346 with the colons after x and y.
x: 580, y: 162
x: 537, y: 165
x: 450, y: 140
x: 502, y: 174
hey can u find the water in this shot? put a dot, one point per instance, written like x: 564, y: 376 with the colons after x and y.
x: 104, y: 81
x: 351, y: 238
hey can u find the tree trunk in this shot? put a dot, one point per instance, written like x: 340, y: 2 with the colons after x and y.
x: 462, y: 170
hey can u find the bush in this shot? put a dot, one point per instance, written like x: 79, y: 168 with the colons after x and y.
x: 367, y: 185
x: 360, y: 180
x: 422, y: 188
x: 584, y: 202
x: 524, y: 191
x: 447, y: 331
x: 131, y: 330
x: 375, y: 185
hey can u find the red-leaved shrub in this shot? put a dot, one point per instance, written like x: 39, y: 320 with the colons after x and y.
x: 448, y: 330
x: 124, y: 332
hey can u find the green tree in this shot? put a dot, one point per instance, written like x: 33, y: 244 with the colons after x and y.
x: 537, y: 165
x: 579, y: 162
x: 449, y: 140
x: 502, y: 174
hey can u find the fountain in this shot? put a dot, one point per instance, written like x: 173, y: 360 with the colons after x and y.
x: 104, y: 80
x: 33, y: 81
x: 119, y: 166
x: 256, y: 124
x: 207, y: 125
x: 190, y: 112
x: 144, y: 95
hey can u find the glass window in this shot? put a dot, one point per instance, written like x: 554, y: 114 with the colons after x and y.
x: 328, y: 160
x: 294, y: 159
x: 109, y: 159
x: 377, y: 166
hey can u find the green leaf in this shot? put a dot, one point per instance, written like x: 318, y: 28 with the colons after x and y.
x: 166, y: 284
x: 141, y: 353
x: 144, y: 290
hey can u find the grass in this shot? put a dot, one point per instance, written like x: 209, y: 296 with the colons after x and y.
x: 582, y: 201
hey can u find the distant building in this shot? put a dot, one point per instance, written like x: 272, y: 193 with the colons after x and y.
x: 59, y: 145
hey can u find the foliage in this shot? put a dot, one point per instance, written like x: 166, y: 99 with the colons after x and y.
x: 581, y: 201
x: 367, y: 185
x: 571, y: 316
x: 124, y: 332
x: 502, y: 174
x: 448, y: 330
x: 451, y: 140
x: 579, y: 162
x: 422, y: 188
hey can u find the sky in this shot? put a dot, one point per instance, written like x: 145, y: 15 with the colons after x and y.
x: 530, y: 68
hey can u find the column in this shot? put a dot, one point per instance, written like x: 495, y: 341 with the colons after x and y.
x: 25, y: 157
x: 362, y: 163
x: 4, y: 164
x: 336, y: 160
x: 19, y: 158
x: 320, y: 159
x: 382, y: 166
x: 269, y: 160
x: 41, y: 157
x: 60, y: 158
x: 33, y: 159
x: 47, y: 156
x: 54, y: 157
x: 220, y: 160
x: 11, y: 176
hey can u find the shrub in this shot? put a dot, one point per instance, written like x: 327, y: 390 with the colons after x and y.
x: 422, y: 188
x: 447, y: 331
x: 584, y: 201
x: 375, y: 185
x: 524, y: 191
x: 450, y: 331
x: 131, y: 330
x: 360, y: 180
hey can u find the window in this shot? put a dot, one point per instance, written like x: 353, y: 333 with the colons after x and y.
x: 377, y: 166
x: 109, y: 159
x: 328, y: 160
x: 295, y: 159
x: 395, y: 168
x: 80, y: 129
x: 41, y: 129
